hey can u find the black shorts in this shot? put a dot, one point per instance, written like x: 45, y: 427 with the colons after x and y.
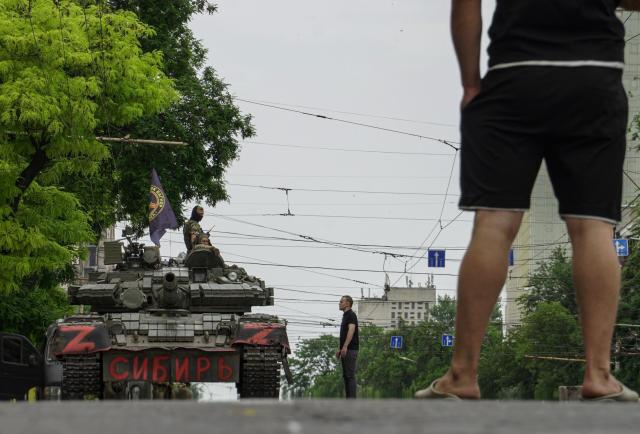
x: 575, y: 118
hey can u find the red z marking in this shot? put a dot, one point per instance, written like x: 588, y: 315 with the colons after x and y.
x: 259, y: 337
x: 76, y: 345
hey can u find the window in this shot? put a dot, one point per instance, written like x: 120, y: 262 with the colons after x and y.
x: 406, y: 315
x: 419, y: 315
x: 12, y: 350
x: 93, y: 256
x: 413, y: 305
x: 393, y: 315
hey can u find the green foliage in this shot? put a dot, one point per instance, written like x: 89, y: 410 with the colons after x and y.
x: 550, y: 331
x: 41, y: 239
x: 315, y: 359
x: 29, y: 312
x: 552, y: 281
x: 66, y: 69
x: 204, y: 117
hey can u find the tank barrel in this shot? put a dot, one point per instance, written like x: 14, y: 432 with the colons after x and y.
x: 169, y: 282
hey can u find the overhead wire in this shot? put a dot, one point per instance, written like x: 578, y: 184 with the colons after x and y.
x: 327, y: 148
x: 392, y: 118
x: 447, y: 142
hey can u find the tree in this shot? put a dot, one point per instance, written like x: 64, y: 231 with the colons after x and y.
x: 552, y: 281
x: 314, y: 359
x: 551, y: 331
x: 30, y: 311
x: 65, y: 70
x: 204, y: 117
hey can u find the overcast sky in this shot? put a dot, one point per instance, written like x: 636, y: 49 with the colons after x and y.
x: 382, y: 59
x: 358, y: 61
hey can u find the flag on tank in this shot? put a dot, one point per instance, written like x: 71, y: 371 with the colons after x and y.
x: 161, y: 216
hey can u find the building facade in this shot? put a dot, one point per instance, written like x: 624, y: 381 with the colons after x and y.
x: 408, y: 305
x: 95, y: 258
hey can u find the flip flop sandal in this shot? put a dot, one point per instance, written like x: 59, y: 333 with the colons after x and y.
x: 625, y: 395
x: 431, y: 393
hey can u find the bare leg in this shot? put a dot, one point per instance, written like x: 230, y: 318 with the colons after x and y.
x: 596, y: 275
x: 482, y: 274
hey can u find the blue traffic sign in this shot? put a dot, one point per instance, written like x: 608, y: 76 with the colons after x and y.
x: 435, y: 258
x: 511, y: 258
x: 397, y: 342
x: 622, y: 247
x: 447, y: 340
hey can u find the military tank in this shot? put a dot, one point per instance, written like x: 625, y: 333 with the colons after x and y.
x: 154, y: 329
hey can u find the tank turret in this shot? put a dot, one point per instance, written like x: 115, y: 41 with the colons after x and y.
x: 203, y: 283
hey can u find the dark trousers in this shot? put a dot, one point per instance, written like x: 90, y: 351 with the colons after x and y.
x: 349, y: 373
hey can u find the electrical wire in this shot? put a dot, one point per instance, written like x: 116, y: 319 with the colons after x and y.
x: 449, y: 143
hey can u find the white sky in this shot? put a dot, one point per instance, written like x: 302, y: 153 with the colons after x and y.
x: 384, y: 58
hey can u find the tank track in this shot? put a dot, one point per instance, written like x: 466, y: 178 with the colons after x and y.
x: 260, y: 372
x: 82, y: 377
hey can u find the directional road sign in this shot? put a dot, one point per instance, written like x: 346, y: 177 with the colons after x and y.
x: 511, y: 258
x: 447, y: 340
x: 436, y: 258
x: 622, y: 247
x: 397, y: 342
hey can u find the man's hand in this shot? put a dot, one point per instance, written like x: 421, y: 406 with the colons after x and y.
x: 630, y: 5
x: 470, y: 92
x: 338, y: 354
x: 343, y: 352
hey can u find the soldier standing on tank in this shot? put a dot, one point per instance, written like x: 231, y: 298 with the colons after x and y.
x: 192, y: 227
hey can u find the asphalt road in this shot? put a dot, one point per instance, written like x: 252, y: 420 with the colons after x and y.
x: 311, y: 417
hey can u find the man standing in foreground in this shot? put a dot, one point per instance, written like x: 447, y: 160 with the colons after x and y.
x: 349, y: 343
x: 554, y: 93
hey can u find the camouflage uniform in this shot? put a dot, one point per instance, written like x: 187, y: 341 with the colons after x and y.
x: 198, y: 245
x: 191, y: 227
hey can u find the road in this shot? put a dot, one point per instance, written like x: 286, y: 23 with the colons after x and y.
x: 321, y: 417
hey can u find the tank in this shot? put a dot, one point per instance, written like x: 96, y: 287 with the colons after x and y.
x: 155, y: 328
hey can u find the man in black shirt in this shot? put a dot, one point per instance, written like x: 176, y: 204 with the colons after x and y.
x: 553, y: 93
x: 349, y: 343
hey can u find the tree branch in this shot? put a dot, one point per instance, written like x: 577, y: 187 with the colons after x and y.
x: 39, y: 160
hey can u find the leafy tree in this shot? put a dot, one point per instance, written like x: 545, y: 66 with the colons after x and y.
x: 551, y: 331
x: 552, y: 281
x: 65, y: 71
x: 30, y: 311
x: 204, y: 117
x: 314, y: 359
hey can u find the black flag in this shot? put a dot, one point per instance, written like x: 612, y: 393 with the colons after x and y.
x: 161, y: 216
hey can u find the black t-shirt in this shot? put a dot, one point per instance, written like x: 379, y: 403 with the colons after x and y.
x: 556, y: 30
x: 349, y: 317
